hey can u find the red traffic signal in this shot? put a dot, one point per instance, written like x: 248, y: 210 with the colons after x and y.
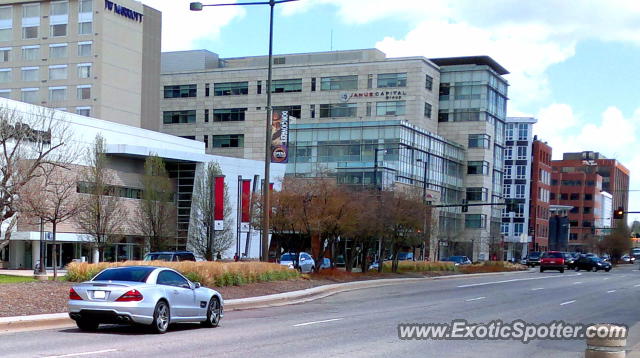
x: 618, y: 213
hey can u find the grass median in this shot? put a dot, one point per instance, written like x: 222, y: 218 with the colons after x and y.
x: 209, y: 274
x: 15, y: 279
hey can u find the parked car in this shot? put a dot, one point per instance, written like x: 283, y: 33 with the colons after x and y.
x: 627, y: 259
x: 302, y: 261
x: 170, y: 256
x: 569, y: 259
x: 533, y: 259
x: 552, y: 260
x: 592, y: 263
x: 155, y: 296
x: 458, y: 260
x: 404, y: 256
x: 605, y: 257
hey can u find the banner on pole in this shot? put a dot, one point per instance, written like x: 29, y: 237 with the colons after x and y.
x: 280, y: 137
x: 218, y: 206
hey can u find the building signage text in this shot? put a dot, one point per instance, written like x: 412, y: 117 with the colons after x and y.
x: 121, y: 10
x: 389, y: 95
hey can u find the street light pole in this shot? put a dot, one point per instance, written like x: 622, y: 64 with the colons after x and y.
x: 266, y: 202
x: 426, y: 208
x: 378, y: 189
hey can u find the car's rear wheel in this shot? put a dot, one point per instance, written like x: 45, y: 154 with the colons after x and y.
x: 161, y: 317
x: 541, y: 269
x: 594, y: 269
x: 562, y: 270
x: 87, y: 325
x: 577, y: 268
x: 607, y: 269
x: 214, y: 312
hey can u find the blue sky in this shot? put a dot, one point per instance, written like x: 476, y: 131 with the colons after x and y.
x: 572, y: 67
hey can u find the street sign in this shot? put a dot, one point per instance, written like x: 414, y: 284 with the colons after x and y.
x: 48, y: 236
x: 244, y: 227
x: 218, y: 225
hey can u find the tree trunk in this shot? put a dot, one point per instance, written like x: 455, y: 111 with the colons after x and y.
x: 348, y: 258
x: 364, y: 264
x: 394, y: 264
x: 54, y: 253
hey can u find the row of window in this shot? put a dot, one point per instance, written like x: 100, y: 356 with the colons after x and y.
x: 574, y: 182
x: 520, y: 172
x: 518, y: 228
x: 517, y: 131
x: 58, y: 19
x: 572, y: 196
x: 56, y: 51
x: 516, y: 191
x: 55, y: 73
x: 520, y: 151
x: 111, y: 190
x: 55, y: 94
x: 332, y: 83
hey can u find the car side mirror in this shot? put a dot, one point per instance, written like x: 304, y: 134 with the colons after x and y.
x: 196, y: 284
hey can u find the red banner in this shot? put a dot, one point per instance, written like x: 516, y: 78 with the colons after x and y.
x: 218, y: 209
x: 246, y: 200
x: 270, y: 187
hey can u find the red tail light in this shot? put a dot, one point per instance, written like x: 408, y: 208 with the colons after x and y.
x: 73, y: 295
x: 130, y: 296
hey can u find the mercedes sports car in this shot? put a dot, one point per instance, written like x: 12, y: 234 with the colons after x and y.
x: 155, y: 296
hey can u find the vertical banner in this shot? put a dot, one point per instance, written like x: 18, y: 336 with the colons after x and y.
x: 270, y: 187
x: 218, y: 206
x: 280, y: 137
x: 246, y: 205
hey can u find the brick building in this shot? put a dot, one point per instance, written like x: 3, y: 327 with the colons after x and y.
x: 539, y: 196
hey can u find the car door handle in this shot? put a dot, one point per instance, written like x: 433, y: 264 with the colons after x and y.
x: 175, y: 291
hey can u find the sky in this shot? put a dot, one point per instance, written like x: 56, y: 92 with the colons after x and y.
x: 573, y: 63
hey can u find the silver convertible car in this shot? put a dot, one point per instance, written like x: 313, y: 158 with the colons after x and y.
x: 155, y: 296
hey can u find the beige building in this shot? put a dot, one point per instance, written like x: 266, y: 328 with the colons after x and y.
x: 91, y: 57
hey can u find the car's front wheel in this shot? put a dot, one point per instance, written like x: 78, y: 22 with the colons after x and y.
x: 594, y: 269
x: 541, y: 269
x: 562, y: 270
x: 577, y: 268
x: 87, y: 325
x: 214, y: 312
x: 607, y: 269
x: 161, y: 317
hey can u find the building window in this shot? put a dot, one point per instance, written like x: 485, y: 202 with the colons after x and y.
x: 58, y: 51
x: 478, y: 167
x: 475, y: 221
x: 504, y: 228
x: 508, y: 171
x: 179, y: 117
x: 259, y: 87
x: 206, y: 116
x: 30, y: 32
x: 444, y: 91
x: 59, y: 8
x: 228, y: 141
x: 294, y: 111
x: 229, y: 114
x: 336, y: 83
x: 279, y: 61
x: 428, y: 82
x: 312, y: 110
x: 58, y: 72
x: 443, y: 115
x: 574, y: 196
x: 30, y: 53
x: 588, y: 197
x: 518, y: 229
x: 523, y: 131
x: 84, y: 70
x: 390, y: 108
x: 206, y: 90
x: 392, y: 80
x: 368, y: 106
x: 506, y: 190
x: 180, y: 91
x: 479, y: 141
x: 509, y: 131
x: 521, y: 172
x: 520, y: 188
x: 522, y: 153
x: 30, y: 21
x: 84, y: 49
x: 230, y: 88
x: 427, y: 110
x: 85, y: 6
x: 85, y: 28
x: 29, y: 73
x: 57, y: 94
x: 29, y: 95
x: 59, y: 30
x: 6, y: 23
x: 338, y: 110
x: 5, y: 93
x: 84, y: 92
x: 30, y: 11
x: 5, y: 54
x: 466, y: 115
x: 5, y: 75
x: 206, y: 141
x: 313, y: 84
x: 83, y: 111
x: 477, y: 194
x: 284, y: 86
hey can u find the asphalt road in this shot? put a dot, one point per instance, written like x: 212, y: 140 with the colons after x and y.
x: 364, y: 323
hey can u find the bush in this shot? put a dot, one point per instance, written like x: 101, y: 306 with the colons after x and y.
x: 420, y: 266
x: 491, y: 266
x: 206, y: 272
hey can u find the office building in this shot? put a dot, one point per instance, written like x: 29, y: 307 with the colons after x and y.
x: 540, y: 196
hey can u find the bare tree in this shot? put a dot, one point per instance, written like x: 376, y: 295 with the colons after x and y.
x: 203, y: 240
x: 103, y: 215
x: 51, y: 198
x: 28, y: 142
x: 618, y: 242
x: 156, y: 213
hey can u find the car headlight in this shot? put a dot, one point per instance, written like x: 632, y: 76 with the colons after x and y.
x: 599, y: 263
x: 291, y: 266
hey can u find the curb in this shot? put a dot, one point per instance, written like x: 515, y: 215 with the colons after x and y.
x: 55, y: 320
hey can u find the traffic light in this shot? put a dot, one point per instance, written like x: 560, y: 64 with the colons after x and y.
x: 618, y: 213
x: 512, y: 205
x: 465, y: 207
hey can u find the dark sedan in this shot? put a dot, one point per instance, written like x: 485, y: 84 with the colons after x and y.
x: 591, y: 263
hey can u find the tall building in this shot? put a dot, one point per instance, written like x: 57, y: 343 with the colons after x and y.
x: 91, y: 57
x: 593, y: 186
x: 351, y: 107
x: 518, y: 158
x: 540, y: 196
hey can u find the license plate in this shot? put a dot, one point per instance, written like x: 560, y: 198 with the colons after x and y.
x: 99, y: 294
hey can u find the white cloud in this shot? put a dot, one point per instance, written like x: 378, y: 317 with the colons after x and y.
x: 182, y: 27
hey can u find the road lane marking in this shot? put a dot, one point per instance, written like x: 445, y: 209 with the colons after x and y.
x: 513, y: 280
x: 475, y: 299
x: 537, y: 288
x: 606, y: 278
x: 568, y: 302
x: 638, y: 285
x: 611, y: 291
x: 577, y: 283
x: 315, y: 322
x: 82, y: 354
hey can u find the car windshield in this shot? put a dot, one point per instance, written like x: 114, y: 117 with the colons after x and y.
x: 457, y: 258
x: 160, y: 257
x: 287, y: 257
x: 534, y: 255
x: 130, y: 274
